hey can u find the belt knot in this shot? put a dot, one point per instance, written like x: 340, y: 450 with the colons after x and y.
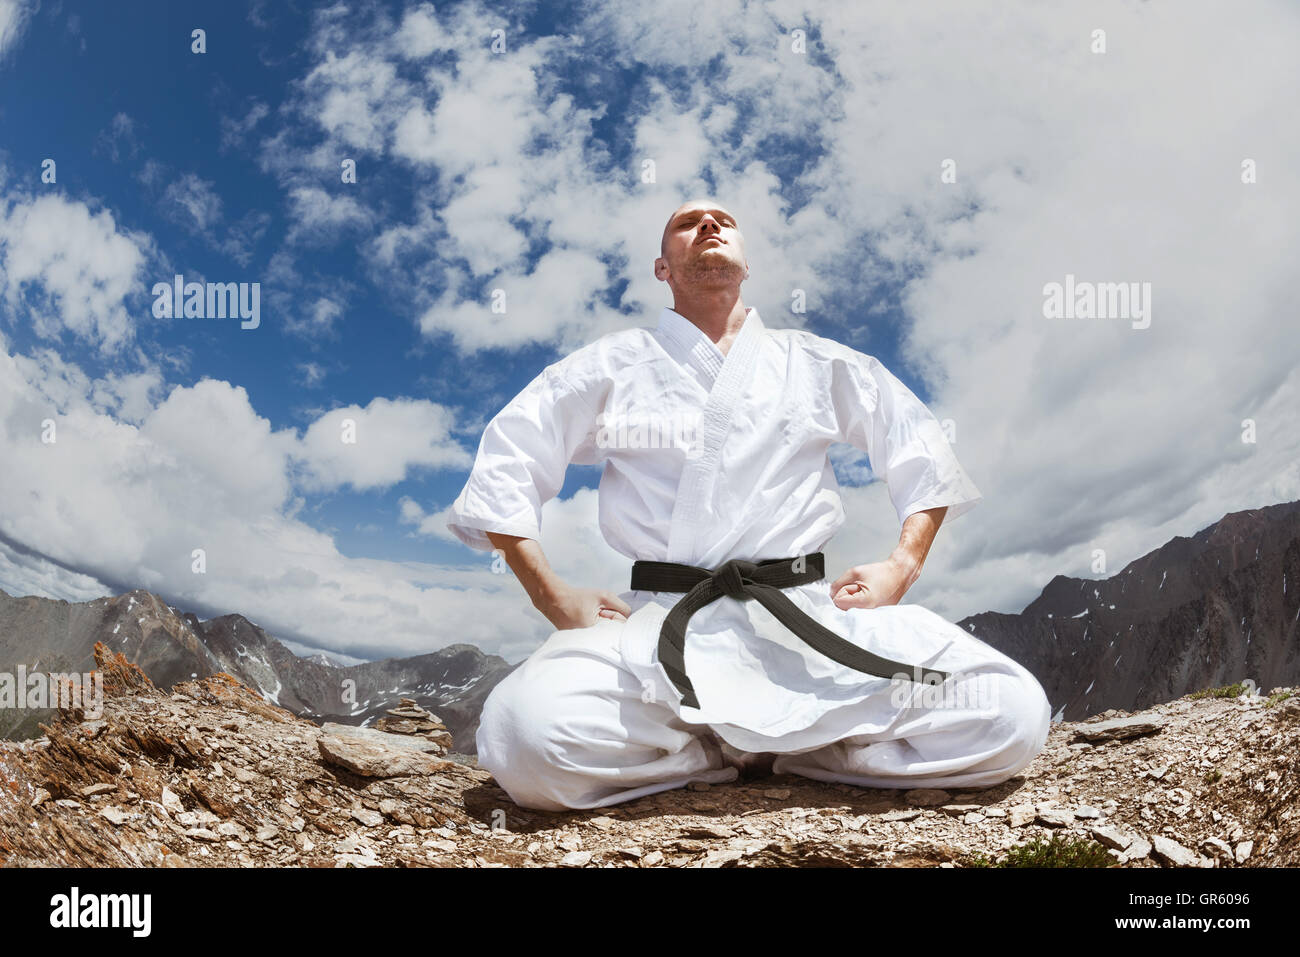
x: 732, y: 576
x: 762, y: 581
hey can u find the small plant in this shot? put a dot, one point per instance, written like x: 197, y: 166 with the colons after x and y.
x: 1274, y: 699
x: 1059, y: 851
x: 1227, y: 691
x: 1213, y: 776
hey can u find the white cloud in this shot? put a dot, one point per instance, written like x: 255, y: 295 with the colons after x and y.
x: 130, y: 396
x: 357, y: 95
x: 119, y: 140
x: 194, y: 202
x: 152, y: 173
x: 376, y: 446
x: 432, y: 524
x: 318, y: 320
x: 538, y: 305
x: 312, y: 373
x: 25, y: 573
x: 14, y: 15
x: 453, y: 134
x: 421, y: 34
x: 234, y: 130
x: 214, y: 443
x: 317, y: 215
x: 67, y: 268
x: 243, y: 235
x: 354, y: 95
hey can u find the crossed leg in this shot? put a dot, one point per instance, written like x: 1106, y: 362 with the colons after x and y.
x: 572, y: 728
x: 569, y: 728
x: 982, y: 729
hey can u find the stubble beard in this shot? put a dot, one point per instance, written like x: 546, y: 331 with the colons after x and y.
x: 712, y: 270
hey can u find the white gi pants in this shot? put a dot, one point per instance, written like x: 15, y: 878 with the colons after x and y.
x: 571, y: 728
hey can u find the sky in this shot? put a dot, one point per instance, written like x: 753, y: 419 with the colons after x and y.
x: 918, y: 175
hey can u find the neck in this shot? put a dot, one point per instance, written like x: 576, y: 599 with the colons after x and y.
x: 719, y: 313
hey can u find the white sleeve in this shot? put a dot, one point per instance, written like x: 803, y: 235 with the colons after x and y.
x: 904, y: 441
x: 521, y: 461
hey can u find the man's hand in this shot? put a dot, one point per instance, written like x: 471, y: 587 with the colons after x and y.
x: 885, y: 583
x: 567, y: 607
x: 563, y: 605
x: 874, y: 585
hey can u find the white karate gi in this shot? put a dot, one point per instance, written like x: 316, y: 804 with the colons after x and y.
x: 590, y: 719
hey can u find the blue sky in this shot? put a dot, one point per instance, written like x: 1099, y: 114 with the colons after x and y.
x: 521, y: 169
x: 80, y: 77
x: 162, y: 119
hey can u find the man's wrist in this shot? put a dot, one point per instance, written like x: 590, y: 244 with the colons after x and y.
x: 545, y: 591
x: 907, y: 562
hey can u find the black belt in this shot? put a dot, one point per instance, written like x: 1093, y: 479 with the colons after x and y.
x: 762, y: 581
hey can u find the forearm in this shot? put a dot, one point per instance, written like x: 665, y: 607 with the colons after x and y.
x: 561, y: 604
x: 527, y: 561
x: 915, y: 539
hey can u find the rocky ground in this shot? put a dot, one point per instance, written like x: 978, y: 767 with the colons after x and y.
x: 212, y: 775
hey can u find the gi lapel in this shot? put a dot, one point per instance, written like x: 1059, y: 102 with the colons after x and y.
x: 690, y: 348
x: 689, y: 518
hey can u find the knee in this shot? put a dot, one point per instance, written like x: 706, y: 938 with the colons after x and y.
x: 515, y: 738
x: 536, y: 738
x: 1023, y: 718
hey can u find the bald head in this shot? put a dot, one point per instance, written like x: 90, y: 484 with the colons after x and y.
x: 694, y: 206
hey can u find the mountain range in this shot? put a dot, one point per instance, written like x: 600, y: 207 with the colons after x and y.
x: 170, y: 646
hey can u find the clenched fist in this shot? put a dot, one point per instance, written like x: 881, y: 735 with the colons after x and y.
x: 873, y: 585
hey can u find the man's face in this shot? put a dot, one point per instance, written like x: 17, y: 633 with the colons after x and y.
x: 702, y: 245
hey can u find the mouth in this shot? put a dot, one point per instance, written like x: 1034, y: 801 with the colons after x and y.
x: 718, y: 239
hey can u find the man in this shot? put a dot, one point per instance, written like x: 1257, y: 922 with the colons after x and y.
x: 713, y: 430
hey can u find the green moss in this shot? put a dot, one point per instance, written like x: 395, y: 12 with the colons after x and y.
x: 1058, y: 851
x: 1227, y: 691
x: 1274, y: 699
